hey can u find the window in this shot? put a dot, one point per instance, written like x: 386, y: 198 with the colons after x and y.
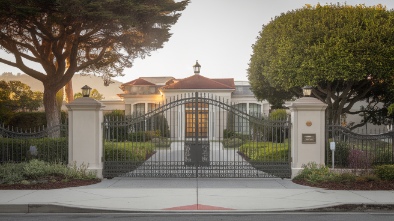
x: 152, y: 107
x: 197, y: 120
x: 254, y: 109
x: 241, y: 124
x: 139, y: 108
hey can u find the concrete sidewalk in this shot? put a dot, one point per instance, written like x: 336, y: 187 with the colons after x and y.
x: 165, y: 195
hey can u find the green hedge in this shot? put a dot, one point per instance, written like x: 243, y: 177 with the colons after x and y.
x: 48, y: 149
x: 265, y: 151
x: 385, y: 172
x: 128, y: 151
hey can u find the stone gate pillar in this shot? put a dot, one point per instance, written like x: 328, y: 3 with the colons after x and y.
x: 307, y: 133
x: 85, y: 139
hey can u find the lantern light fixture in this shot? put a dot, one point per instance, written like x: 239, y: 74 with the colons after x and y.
x: 86, y: 91
x: 197, y: 68
x: 307, y: 91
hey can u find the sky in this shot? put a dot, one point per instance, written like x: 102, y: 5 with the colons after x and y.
x: 217, y: 33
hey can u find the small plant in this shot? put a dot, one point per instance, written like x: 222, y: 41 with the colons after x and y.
x: 314, y: 173
x: 385, y: 172
x: 31, y: 172
x: 344, y: 178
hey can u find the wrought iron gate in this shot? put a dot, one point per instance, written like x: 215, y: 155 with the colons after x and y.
x: 196, y: 135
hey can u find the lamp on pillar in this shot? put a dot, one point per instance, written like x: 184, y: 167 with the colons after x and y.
x: 86, y: 91
x: 307, y: 91
x: 197, y: 68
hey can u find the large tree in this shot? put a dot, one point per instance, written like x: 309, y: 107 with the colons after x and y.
x: 345, y: 52
x: 88, y: 36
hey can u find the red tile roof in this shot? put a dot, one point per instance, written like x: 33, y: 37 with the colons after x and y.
x: 201, y: 82
x: 138, y: 81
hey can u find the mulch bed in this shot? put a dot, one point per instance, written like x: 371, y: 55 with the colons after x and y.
x: 53, y: 183
x: 357, y: 185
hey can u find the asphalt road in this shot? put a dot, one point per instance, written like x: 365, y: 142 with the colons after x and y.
x: 363, y: 216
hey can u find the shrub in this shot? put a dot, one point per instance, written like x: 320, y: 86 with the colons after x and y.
x: 232, y: 143
x: 114, y: 130
x: 359, y: 159
x: 227, y: 133
x: 383, y: 156
x: 231, y: 134
x: 128, y: 151
x: 278, y: 114
x: 35, y: 169
x: 161, y: 142
x: 385, y: 172
x: 343, y: 178
x: 48, y: 149
x: 341, y: 154
x: 314, y: 173
x: 11, y: 173
x: 143, y: 136
x: 158, y: 123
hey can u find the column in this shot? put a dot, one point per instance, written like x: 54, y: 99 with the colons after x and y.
x: 307, y: 133
x: 85, y: 139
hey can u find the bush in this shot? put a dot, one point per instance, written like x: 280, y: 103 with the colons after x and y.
x: 359, y: 159
x: 143, y: 136
x: 314, y: 173
x: 385, y: 172
x: 128, y: 151
x: 278, y: 114
x: 158, y: 123
x: 383, y: 156
x: 341, y: 154
x: 161, y: 142
x: 11, y: 173
x: 343, y: 178
x: 227, y: 133
x: 48, y: 149
x: 232, y: 143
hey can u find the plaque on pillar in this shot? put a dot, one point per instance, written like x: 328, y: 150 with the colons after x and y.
x: 308, y: 138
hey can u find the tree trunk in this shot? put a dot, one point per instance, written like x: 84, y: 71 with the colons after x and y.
x: 69, y: 92
x: 52, y: 111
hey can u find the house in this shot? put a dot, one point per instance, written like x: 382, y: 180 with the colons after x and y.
x: 145, y: 94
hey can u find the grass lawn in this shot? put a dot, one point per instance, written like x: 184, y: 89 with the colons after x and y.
x: 265, y: 151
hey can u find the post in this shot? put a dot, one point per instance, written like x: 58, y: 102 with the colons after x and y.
x: 308, y: 132
x: 86, y: 134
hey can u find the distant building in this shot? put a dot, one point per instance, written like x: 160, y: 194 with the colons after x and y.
x: 145, y: 94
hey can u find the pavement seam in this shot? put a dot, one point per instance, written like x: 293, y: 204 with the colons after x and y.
x: 113, y: 183
x: 23, y: 195
x: 365, y: 197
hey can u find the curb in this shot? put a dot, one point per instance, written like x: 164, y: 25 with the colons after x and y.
x: 51, y: 208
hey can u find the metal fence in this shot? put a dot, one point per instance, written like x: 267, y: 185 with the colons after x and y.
x: 47, y: 144
x: 196, y: 135
x: 358, y: 150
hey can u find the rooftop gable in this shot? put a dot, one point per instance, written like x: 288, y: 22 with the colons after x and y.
x: 138, y: 81
x: 201, y: 82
